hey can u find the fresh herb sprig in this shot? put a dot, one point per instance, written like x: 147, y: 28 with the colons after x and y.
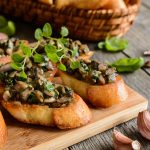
x: 59, y: 52
x: 55, y: 53
x: 7, y: 26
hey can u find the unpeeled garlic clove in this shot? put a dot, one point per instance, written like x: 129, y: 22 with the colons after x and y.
x: 143, y: 122
x: 122, y: 142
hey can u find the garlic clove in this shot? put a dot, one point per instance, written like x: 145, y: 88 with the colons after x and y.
x: 122, y: 142
x: 143, y: 122
x: 136, y: 145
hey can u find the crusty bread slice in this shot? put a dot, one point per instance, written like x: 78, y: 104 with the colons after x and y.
x: 3, y: 132
x: 91, y: 4
x: 46, y: 1
x: 74, y: 115
x: 99, y: 95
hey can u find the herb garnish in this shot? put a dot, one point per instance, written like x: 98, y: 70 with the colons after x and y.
x: 7, y: 27
x: 128, y: 64
x: 56, y: 53
x: 113, y: 44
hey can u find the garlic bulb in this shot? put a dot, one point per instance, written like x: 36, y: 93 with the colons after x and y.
x: 143, y: 122
x: 122, y: 142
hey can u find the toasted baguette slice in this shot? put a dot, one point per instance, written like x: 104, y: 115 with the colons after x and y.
x: 91, y: 4
x: 46, y: 1
x: 3, y: 132
x: 76, y: 114
x: 98, y: 95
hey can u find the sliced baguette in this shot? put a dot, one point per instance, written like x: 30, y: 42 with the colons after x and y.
x: 98, y: 95
x: 76, y: 114
x: 3, y: 132
x: 91, y: 4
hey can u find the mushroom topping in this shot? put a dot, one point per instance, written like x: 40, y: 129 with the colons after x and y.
x: 5, y: 68
x: 20, y: 85
x: 6, y: 95
x: 39, y: 95
x: 25, y: 94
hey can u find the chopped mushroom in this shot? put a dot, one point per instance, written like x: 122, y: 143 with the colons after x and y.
x: 6, y: 95
x: 39, y: 95
x: 25, y: 94
x: 5, y: 67
x: 50, y: 100
x: 20, y: 85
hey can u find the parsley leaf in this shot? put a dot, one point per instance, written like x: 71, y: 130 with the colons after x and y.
x: 17, y: 58
x: 128, y: 64
x: 38, y: 58
x: 62, y: 67
x: 49, y: 86
x: 47, y: 30
x: 64, y: 32
x: 75, y: 65
x: 26, y: 50
x: 38, y: 34
x: 113, y: 44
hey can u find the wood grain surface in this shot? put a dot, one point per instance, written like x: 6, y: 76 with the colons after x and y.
x: 44, y: 138
x: 139, y: 41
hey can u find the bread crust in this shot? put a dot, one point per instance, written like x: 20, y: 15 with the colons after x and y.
x: 91, y: 4
x: 98, y: 95
x: 3, y: 132
x: 74, y: 115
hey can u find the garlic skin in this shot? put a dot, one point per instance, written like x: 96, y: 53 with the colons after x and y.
x: 122, y: 142
x: 143, y: 123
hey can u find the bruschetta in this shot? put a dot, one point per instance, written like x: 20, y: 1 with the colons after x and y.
x: 3, y: 132
x: 36, y: 100
x: 96, y: 83
x: 73, y: 115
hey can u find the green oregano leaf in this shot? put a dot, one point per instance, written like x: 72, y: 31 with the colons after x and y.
x: 23, y: 75
x: 62, y: 67
x: 49, y: 86
x: 74, y: 52
x: 53, y: 57
x: 38, y: 34
x: 75, y: 65
x: 16, y: 66
x: 113, y: 44
x: 101, y: 45
x: 38, y: 58
x: 50, y: 49
x: 128, y: 64
x: 65, y: 41
x: 60, y: 44
x: 64, y: 32
x: 47, y: 30
x: 17, y: 58
x: 26, y: 50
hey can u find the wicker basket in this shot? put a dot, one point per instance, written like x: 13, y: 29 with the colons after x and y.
x: 92, y: 25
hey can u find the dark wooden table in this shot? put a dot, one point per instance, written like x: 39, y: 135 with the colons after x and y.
x: 139, y: 41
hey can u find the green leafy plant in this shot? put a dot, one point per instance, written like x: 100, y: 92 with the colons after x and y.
x: 113, y: 44
x: 128, y: 64
x: 55, y: 53
x: 7, y: 27
x: 49, y: 86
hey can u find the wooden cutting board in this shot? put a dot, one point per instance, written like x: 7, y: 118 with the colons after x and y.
x: 23, y: 136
